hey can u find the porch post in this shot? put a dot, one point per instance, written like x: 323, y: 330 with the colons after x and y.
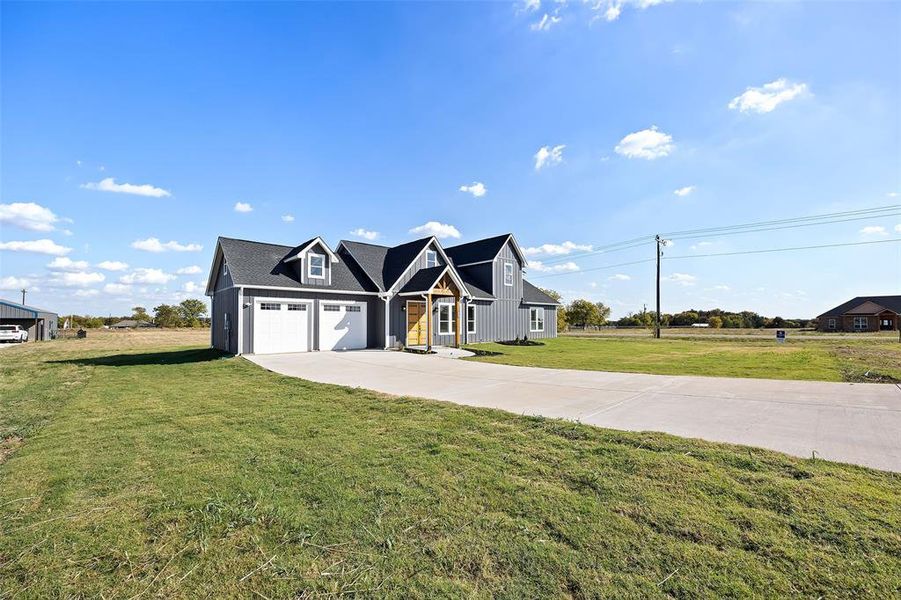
x: 428, y: 323
x: 457, y: 320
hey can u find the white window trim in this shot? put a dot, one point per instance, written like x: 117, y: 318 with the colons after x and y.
x: 861, y: 320
x: 831, y: 324
x: 512, y: 273
x: 536, y: 320
x: 431, y: 258
x: 474, y: 324
x: 450, y: 322
x: 310, y: 257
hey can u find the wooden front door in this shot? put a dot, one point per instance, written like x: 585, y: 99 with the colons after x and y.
x: 417, y: 326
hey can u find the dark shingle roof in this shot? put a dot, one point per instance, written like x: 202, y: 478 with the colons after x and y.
x: 256, y: 263
x: 422, y: 280
x: 532, y: 295
x: 472, y: 286
x: 892, y: 303
x: 478, y: 250
x: 383, y: 264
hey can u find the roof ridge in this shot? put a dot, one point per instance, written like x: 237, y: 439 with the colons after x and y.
x: 490, y: 237
x: 225, y: 237
x: 362, y: 243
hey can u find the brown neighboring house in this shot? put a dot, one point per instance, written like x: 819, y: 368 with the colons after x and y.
x: 864, y: 313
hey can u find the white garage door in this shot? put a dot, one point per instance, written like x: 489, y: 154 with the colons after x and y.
x: 342, y: 325
x: 281, y: 326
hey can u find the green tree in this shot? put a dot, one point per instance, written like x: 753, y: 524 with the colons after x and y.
x: 139, y: 313
x: 582, y: 312
x: 167, y: 315
x: 603, y: 314
x: 561, y: 312
x: 191, y: 311
x: 715, y: 322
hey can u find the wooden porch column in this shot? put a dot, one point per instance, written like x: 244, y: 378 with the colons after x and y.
x: 457, y: 320
x: 428, y: 323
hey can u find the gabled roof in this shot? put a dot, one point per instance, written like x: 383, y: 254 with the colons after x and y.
x: 892, y: 303
x: 482, y: 250
x: 384, y: 265
x: 298, y: 252
x: 423, y: 281
x: 399, y: 258
x: 533, y: 295
x: 260, y: 264
x: 370, y: 257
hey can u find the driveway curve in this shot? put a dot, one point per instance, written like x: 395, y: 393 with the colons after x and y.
x: 853, y: 423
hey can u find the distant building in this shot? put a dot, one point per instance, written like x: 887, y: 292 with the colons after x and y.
x: 41, y: 324
x: 864, y: 313
x: 131, y: 324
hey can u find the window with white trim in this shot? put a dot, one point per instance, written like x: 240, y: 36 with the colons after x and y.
x: 352, y: 308
x: 316, y: 266
x: 860, y: 323
x: 536, y: 319
x: 431, y: 258
x: 224, y: 269
x: 331, y: 307
x: 270, y: 306
x: 445, y: 318
x: 470, y: 319
x: 831, y: 323
x: 297, y: 307
x: 508, y: 273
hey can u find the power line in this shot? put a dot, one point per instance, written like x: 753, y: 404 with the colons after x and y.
x: 768, y: 250
x: 792, y: 226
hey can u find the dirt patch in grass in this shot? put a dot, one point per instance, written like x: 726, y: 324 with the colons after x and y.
x: 8, y: 446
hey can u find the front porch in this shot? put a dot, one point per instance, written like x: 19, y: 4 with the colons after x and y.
x: 432, y: 308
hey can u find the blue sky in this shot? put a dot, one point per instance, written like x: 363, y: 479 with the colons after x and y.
x: 127, y: 123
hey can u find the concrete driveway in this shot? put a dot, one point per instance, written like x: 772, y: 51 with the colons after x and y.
x: 855, y: 423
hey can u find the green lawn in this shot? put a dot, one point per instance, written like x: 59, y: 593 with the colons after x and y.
x: 869, y: 360
x: 141, y: 466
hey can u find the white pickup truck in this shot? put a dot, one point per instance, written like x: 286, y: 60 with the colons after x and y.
x: 13, y: 333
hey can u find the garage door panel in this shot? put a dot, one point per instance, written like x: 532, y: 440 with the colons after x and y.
x: 281, y: 326
x: 342, y: 325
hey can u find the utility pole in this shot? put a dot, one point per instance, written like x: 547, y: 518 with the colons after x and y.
x: 23, y: 295
x: 660, y: 244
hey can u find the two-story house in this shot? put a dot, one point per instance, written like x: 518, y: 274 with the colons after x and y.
x: 269, y: 298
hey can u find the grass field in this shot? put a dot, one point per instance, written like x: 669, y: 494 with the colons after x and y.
x: 144, y: 464
x: 872, y: 359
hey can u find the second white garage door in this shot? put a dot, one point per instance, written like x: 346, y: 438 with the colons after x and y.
x: 342, y: 325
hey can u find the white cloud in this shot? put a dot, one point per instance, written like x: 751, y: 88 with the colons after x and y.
x: 531, y: 5
x: 64, y: 263
x: 109, y: 185
x: 699, y: 245
x: 720, y: 288
x: 192, y: 270
x: 557, y: 249
x: 112, y: 265
x: 153, y: 244
x: 546, y: 22
x: 684, y: 191
x: 874, y: 230
x: 682, y: 279
x: 767, y: 97
x: 14, y: 283
x: 78, y: 279
x: 28, y: 215
x: 117, y: 289
x: 898, y: 227
x: 647, y: 143
x: 366, y: 234
x: 439, y: 230
x: 151, y: 276
x: 567, y: 267
x: 288, y: 218
x: 243, y: 207
x: 892, y: 194
x: 39, y: 246
x: 192, y: 288
x: 548, y: 157
x: 477, y: 189
x: 613, y: 12
x: 610, y: 10
x: 619, y: 277
x: 86, y: 293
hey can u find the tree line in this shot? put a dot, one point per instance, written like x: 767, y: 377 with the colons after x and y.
x: 188, y: 313
x: 585, y: 313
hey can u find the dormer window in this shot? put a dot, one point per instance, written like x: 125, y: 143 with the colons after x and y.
x: 508, y: 273
x: 316, y: 266
x: 431, y: 258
